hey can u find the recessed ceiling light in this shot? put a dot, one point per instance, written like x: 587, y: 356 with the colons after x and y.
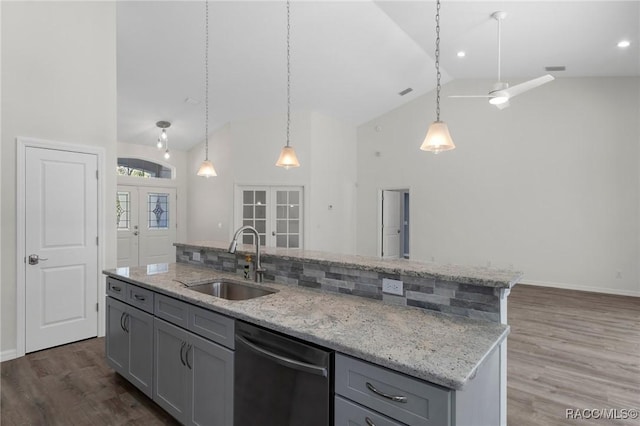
x: 461, y: 54
x: 624, y: 43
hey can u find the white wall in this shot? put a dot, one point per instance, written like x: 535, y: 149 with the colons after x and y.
x: 548, y: 186
x: 59, y: 83
x: 333, y: 190
x: 178, y: 160
x: 244, y: 153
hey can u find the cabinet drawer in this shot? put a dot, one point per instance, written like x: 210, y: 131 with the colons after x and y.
x: 171, y: 310
x: 373, y: 387
x: 117, y: 289
x: 212, y: 326
x: 351, y: 414
x: 140, y: 298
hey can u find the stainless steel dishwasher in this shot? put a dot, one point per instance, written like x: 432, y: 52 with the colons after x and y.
x: 280, y: 381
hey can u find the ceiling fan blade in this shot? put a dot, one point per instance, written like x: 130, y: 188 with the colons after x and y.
x: 527, y: 85
x: 469, y: 96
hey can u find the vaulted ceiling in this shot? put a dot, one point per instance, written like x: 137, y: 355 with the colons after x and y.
x: 348, y: 59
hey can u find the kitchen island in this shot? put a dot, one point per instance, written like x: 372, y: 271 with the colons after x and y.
x: 452, y: 354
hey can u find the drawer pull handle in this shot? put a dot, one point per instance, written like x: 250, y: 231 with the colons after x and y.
x: 369, y: 421
x: 386, y: 395
x: 140, y: 298
x: 116, y: 288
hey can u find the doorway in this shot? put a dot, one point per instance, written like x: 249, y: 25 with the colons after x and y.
x: 394, y: 224
x: 58, y: 227
x: 146, y: 218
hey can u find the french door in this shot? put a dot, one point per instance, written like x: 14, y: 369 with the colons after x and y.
x: 146, y: 218
x: 275, y: 211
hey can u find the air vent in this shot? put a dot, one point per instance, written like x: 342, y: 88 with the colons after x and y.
x: 405, y: 91
x: 556, y: 68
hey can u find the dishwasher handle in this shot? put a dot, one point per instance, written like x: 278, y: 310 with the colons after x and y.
x: 287, y: 362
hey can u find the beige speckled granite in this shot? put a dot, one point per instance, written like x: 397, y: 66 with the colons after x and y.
x: 488, y: 277
x: 441, y: 349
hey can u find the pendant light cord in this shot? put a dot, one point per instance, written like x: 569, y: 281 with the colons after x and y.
x: 206, y: 80
x: 288, y: 70
x: 438, y: 75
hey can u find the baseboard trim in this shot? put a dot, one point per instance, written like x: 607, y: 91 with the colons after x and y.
x: 566, y: 286
x: 8, y: 355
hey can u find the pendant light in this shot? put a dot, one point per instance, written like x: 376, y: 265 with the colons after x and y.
x: 163, y: 138
x: 288, y: 156
x: 206, y: 168
x: 438, y: 138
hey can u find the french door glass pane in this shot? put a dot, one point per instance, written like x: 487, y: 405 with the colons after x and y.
x: 288, y: 218
x: 158, y: 211
x: 254, y: 213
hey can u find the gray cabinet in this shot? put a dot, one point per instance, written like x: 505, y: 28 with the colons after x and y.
x: 399, y: 397
x: 129, y: 343
x: 193, y: 377
x: 349, y: 413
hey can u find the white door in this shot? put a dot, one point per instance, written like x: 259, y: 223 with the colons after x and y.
x: 61, y: 259
x: 146, y: 225
x: 391, y: 224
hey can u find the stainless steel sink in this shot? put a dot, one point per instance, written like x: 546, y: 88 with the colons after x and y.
x: 230, y: 290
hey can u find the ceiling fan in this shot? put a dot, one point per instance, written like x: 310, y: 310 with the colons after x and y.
x: 500, y: 93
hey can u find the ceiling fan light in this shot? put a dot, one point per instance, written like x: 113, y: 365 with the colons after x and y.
x: 438, y: 138
x: 288, y: 158
x: 206, y: 169
x: 498, y: 99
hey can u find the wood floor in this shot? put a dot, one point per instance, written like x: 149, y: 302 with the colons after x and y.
x: 72, y: 385
x: 570, y: 350
x: 566, y: 349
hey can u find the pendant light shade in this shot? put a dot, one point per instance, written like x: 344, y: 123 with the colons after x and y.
x: 438, y: 138
x: 206, y: 168
x: 288, y: 158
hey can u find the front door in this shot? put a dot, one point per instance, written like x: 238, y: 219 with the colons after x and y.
x: 61, y: 240
x: 146, y: 225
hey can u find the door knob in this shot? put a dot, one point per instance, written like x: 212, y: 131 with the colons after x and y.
x: 135, y: 233
x: 34, y: 259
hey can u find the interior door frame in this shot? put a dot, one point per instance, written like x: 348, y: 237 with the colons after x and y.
x: 22, y: 143
x: 401, y: 189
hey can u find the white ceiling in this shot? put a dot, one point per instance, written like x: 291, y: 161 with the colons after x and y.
x: 348, y: 59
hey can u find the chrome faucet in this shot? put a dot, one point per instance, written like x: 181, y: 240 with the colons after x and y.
x: 257, y: 267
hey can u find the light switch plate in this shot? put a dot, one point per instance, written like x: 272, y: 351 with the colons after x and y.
x: 392, y: 287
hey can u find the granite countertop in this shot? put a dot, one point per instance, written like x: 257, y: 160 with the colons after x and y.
x: 442, y: 349
x: 488, y: 277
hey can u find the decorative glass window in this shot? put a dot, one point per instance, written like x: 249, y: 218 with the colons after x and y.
x: 254, y: 213
x: 158, y: 208
x: 288, y: 213
x: 142, y: 168
x: 123, y: 209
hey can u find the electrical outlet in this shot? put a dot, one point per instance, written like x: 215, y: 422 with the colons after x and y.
x: 196, y: 256
x: 392, y: 287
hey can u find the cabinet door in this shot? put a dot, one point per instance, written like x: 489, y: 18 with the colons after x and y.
x: 140, y: 371
x: 211, y: 383
x: 170, y: 377
x: 117, y: 339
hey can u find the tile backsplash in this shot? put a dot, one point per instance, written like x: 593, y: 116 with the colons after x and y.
x: 468, y: 300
